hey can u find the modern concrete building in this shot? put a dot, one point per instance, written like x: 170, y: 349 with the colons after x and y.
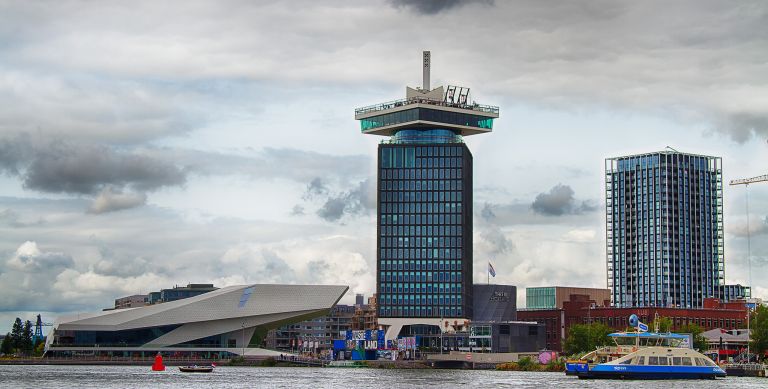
x: 494, y: 303
x: 664, y: 229
x: 424, y: 204
x: 137, y: 300
x: 319, y: 332
x: 551, y: 297
x: 179, y: 292
x: 225, y: 322
x: 734, y: 292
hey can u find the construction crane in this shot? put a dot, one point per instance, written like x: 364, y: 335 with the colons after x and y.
x: 39, y: 329
x: 746, y: 182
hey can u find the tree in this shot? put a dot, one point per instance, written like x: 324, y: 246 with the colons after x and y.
x: 26, y: 343
x: 665, y: 324
x: 7, y: 346
x: 699, y: 341
x: 16, y: 334
x: 759, y: 331
x: 586, y: 337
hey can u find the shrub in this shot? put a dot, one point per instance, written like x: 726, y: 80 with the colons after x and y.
x: 527, y: 364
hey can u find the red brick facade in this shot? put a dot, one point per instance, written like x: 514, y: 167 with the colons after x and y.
x: 581, y: 310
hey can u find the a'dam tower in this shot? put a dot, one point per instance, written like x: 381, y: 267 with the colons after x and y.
x: 424, y: 205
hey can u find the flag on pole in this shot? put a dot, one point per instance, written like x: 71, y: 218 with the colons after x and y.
x: 491, y: 270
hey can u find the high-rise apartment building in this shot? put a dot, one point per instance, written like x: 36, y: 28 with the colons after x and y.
x: 424, y: 212
x: 664, y: 229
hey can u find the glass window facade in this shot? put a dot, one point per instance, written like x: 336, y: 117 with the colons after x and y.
x: 540, y: 298
x: 424, y: 258
x: 426, y: 114
x: 664, y: 229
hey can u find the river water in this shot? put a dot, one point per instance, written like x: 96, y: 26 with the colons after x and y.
x: 72, y: 377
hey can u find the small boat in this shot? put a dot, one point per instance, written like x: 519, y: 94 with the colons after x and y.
x: 196, y: 369
x: 657, y: 363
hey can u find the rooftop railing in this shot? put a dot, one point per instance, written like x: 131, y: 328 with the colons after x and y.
x: 418, y: 100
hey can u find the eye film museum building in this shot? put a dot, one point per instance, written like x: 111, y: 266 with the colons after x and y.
x: 229, y: 321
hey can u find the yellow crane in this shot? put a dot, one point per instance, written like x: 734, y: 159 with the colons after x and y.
x: 746, y: 182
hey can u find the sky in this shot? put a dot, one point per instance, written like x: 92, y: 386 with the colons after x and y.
x: 150, y: 144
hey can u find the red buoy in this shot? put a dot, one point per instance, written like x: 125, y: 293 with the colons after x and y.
x: 158, y: 366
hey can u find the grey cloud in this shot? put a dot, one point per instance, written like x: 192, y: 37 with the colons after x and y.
x: 742, y: 127
x: 67, y: 168
x: 499, y: 244
x: 357, y: 201
x: 315, y: 188
x: 432, y: 7
x: 83, y: 108
x: 559, y: 201
x: 270, y: 163
x: 554, y: 55
x: 63, y: 167
x: 110, y: 200
x: 29, y: 258
x: 297, y: 210
x: 14, y: 219
x: 487, y: 212
x: 333, y: 209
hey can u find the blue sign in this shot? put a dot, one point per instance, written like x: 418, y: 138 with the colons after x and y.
x: 642, y: 327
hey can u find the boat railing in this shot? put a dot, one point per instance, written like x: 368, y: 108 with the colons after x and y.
x: 745, y: 366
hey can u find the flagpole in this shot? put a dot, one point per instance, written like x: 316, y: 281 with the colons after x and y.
x: 488, y: 273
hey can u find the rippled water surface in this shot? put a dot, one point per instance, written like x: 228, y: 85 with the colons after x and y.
x: 297, y: 377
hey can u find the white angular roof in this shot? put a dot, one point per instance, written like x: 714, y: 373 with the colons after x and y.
x: 223, y: 310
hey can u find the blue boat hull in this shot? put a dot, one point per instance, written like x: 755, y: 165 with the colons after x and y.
x: 651, y: 372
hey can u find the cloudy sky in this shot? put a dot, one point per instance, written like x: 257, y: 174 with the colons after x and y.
x: 144, y: 144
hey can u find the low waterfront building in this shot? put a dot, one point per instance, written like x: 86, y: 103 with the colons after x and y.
x: 726, y: 344
x: 365, y: 317
x: 137, y: 300
x: 581, y: 309
x: 220, y: 323
x: 314, y: 334
x: 734, y: 292
x: 180, y: 292
x: 552, y: 297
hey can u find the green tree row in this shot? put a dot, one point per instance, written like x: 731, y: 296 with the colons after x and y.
x: 20, y: 339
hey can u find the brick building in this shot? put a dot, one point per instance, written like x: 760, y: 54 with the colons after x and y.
x: 580, y: 309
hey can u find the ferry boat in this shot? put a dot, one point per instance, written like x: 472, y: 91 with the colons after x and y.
x: 656, y: 363
x: 625, y: 343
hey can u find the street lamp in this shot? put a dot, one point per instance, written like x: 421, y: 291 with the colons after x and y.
x: 243, y: 339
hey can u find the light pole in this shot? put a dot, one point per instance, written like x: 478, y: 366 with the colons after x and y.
x: 243, y: 338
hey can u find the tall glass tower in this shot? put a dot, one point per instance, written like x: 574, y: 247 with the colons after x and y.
x: 664, y: 229
x: 424, y: 212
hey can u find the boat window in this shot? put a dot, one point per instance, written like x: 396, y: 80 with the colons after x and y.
x: 641, y: 360
x: 707, y: 362
x: 676, y: 361
x: 653, y: 360
x: 662, y: 361
x: 627, y: 362
x: 699, y: 362
x: 687, y: 361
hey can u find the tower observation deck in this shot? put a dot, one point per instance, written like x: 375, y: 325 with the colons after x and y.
x: 439, y: 115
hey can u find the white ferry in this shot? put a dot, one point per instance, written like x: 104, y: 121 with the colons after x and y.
x: 656, y: 363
